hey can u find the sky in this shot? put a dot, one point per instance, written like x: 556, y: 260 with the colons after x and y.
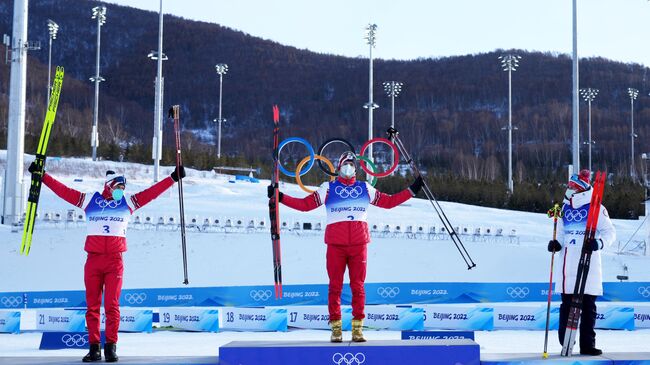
x: 410, y: 29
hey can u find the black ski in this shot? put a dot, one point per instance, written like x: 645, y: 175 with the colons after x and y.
x: 274, y: 204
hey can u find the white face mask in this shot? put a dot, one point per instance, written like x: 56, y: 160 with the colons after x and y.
x: 347, y: 171
x: 569, y: 194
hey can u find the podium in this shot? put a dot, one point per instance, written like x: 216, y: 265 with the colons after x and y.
x: 416, y: 352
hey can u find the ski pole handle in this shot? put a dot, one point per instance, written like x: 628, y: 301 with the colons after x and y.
x: 555, y: 213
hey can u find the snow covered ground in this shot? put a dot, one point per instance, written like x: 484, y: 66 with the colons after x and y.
x: 220, y: 259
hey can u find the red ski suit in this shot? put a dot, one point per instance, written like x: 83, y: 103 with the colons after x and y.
x: 346, y: 234
x: 104, y: 266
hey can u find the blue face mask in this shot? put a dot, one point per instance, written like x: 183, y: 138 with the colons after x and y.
x: 118, y: 194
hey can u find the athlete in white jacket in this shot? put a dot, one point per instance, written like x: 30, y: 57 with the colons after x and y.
x: 571, y: 230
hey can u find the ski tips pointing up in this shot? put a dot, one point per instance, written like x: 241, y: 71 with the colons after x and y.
x: 276, y: 114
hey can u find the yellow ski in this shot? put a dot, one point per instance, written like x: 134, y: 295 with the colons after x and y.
x: 37, y: 176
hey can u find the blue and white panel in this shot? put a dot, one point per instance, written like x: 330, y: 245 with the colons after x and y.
x: 191, y: 319
x: 615, y: 318
x: 394, y: 318
x: 132, y: 320
x: 641, y: 316
x: 315, y: 317
x: 457, y: 317
x: 12, y: 300
x: 9, y: 321
x: 525, y: 317
x: 61, y: 320
x: 254, y: 319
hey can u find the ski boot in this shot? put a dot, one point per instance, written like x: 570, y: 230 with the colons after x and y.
x: 592, y: 351
x: 110, y: 352
x: 337, y: 331
x: 357, y: 330
x: 94, y: 354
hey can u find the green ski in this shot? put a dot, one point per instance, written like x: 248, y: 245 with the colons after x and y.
x: 35, y: 187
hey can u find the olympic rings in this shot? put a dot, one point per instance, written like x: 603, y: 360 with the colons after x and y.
x: 309, y: 148
x: 304, y: 161
x: 371, y: 179
x: 327, y: 143
x: 395, y: 160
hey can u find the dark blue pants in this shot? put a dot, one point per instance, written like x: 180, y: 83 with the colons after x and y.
x: 587, y: 320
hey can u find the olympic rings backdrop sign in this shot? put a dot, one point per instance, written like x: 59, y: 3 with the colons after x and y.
x: 366, y: 163
x: 316, y: 294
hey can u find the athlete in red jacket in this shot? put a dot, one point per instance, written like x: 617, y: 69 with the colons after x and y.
x: 347, y: 235
x: 107, y: 215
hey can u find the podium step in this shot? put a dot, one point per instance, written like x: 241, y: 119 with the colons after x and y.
x: 615, y: 358
x: 416, y: 352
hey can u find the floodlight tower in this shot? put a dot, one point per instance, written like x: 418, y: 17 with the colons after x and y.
x: 575, y: 140
x: 53, y: 29
x: 370, y: 38
x: 221, y: 69
x: 510, y: 63
x: 99, y: 13
x: 17, y: 46
x: 633, y: 94
x: 392, y: 88
x: 159, y: 57
x: 589, y: 95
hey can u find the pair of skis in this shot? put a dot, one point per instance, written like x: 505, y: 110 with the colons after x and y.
x: 583, y: 265
x: 37, y: 176
x: 274, y: 205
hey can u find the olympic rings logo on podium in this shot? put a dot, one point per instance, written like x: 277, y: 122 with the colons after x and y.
x: 365, y: 163
x: 575, y: 215
x: 388, y: 292
x: 75, y: 340
x: 518, y: 292
x: 348, y: 358
x: 135, y: 298
x: 260, y: 295
x: 11, y: 302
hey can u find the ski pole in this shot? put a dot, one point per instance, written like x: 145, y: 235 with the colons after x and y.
x: 174, y: 113
x: 555, y: 213
x: 393, y: 135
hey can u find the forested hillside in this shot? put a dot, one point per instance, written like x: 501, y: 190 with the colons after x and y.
x: 450, y: 112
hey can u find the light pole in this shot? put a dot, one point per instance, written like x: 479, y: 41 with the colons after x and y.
x: 222, y: 69
x: 589, y: 95
x: 510, y: 63
x: 159, y: 56
x: 392, y: 88
x: 370, y: 38
x: 633, y: 94
x: 99, y: 13
x: 53, y: 28
x: 575, y: 143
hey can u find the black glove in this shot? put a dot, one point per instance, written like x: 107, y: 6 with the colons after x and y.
x: 416, y: 186
x: 33, y: 167
x: 270, y: 190
x: 554, y: 246
x: 179, y: 172
x: 594, y: 245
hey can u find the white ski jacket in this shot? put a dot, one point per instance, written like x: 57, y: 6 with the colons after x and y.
x: 570, y: 234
